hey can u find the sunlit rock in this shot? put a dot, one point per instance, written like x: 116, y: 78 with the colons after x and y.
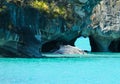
x: 96, y: 19
x: 67, y: 49
x: 106, y: 24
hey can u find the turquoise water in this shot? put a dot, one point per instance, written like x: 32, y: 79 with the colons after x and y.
x: 99, y: 68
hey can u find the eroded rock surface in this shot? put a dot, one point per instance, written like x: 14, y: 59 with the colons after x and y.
x: 67, y: 49
x: 106, y: 25
x: 27, y: 45
x: 97, y: 19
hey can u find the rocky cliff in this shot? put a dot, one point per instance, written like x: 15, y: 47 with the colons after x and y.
x: 106, y: 26
x: 61, y: 22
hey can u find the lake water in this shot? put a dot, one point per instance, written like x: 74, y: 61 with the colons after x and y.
x: 97, y: 68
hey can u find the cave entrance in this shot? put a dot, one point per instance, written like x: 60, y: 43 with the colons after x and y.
x: 83, y: 43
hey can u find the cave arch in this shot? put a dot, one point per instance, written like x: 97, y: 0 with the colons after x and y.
x: 83, y: 43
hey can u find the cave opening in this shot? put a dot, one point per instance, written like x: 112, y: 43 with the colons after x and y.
x: 83, y: 43
x: 52, y: 45
x: 114, y: 46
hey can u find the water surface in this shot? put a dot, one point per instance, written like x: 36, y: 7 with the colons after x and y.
x: 84, y: 70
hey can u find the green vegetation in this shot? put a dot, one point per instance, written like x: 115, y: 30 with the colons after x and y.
x: 2, y: 6
x: 56, y: 9
x: 1, y: 10
x: 51, y: 8
x: 40, y: 5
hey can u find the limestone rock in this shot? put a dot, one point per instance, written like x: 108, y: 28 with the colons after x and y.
x: 10, y: 49
x: 97, y: 19
x: 106, y: 24
x: 67, y: 49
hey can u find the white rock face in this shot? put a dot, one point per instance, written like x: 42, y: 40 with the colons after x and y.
x: 67, y: 49
x: 106, y: 17
x: 106, y: 23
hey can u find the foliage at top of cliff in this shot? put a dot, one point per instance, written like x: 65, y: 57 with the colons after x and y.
x: 55, y: 8
x: 50, y: 8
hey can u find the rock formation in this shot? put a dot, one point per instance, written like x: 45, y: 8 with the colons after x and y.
x: 61, y: 22
x: 67, y: 49
x: 105, y: 26
x: 27, y: 46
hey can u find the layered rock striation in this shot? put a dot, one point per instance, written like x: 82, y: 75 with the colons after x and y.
x: 61, y: 22
x: 106, y: 26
